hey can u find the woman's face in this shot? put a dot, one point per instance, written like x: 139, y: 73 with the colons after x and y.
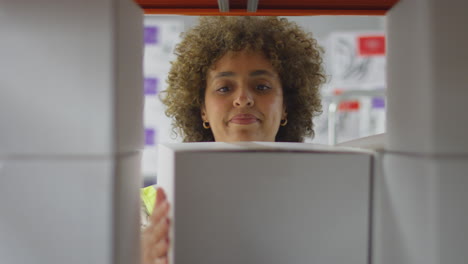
x: 243, y: 98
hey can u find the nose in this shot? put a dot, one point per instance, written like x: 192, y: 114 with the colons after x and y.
x: 243, y: 98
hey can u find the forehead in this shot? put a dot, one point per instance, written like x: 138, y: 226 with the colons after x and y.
x: 244, y: 60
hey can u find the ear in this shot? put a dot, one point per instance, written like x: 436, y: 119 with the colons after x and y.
x: 284, y: 113
x: 203, y: 113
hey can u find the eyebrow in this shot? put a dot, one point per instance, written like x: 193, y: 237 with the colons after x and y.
x: 252, y: 74
x: 224, y: 74
x: 262, y: 72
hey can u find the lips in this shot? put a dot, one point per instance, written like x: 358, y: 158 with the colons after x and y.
x: 244, y: 119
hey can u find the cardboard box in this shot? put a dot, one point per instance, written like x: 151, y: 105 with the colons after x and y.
x: 266, y: 202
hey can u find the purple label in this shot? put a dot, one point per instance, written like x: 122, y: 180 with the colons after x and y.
x: 151, y: 35
x: 151, y: 86
x: 150, y: 136
x: 378, y: 102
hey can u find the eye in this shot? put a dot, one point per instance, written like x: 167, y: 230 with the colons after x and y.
x: 262, y: 87
x: 223, y: 89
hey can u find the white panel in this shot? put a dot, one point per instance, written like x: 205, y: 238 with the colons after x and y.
x: 56, y: 76
x: 56, y: 211
x: 427, y: 76
x: 127, y: 214
x: 61, y: 65
x: 129, y: 76
x: 267, y: 206
x: 421, y: 210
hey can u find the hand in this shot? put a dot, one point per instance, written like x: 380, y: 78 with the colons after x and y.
x: 155, y: 237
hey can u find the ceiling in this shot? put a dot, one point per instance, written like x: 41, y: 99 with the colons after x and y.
x: 267, y: 7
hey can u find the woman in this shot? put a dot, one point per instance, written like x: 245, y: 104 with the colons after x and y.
x: 238, y: 79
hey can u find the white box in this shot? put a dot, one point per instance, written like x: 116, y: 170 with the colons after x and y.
x: 80, y: 210
x: 427, y: 77
x: 56, y: 211
x: 421, y: 209
x: 128, y: 77
x: 71, y: 77
x: 126, y: 206
x: 266, y: 202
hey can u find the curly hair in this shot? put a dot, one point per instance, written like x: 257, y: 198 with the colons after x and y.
x: 294, y: 54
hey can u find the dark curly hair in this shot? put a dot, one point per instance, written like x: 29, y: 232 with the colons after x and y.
x: 294, y: 54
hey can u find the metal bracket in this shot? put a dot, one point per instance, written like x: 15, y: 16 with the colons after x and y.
x: 223, y: 5
x: 252, y: 5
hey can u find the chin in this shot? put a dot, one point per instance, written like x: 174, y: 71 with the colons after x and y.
x: 245, y: 134
x: 247, y: 137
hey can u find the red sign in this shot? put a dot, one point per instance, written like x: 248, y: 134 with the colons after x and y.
x: 350, y: 105
x: 371, y: 45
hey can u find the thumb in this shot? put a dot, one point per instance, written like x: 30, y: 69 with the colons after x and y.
x: 160, y: 196
x: 160, y: 207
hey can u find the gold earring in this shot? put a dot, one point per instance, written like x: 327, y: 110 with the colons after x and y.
x: 284, y: 122
x: 206, y: 125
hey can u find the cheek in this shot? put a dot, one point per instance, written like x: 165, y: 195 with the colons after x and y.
x: 275, y: 107
x: 216, y: 106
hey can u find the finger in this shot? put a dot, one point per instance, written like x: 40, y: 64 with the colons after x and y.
x: 162, y: 260
x: 159, y: 209
x: 147, y: 250
x: 161, y: 229
x: 161, y: 248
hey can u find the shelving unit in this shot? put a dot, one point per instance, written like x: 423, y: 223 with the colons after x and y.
x: 267, y: 7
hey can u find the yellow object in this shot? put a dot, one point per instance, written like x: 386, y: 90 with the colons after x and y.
x: 148, y: 196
